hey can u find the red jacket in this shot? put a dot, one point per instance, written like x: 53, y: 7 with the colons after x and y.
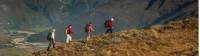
x: 89, y: 27
x: 69, y: 30
x: 109, y: 24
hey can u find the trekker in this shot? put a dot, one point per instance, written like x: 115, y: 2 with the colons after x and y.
x: 51, y: 38
x: 69, y: 33
x: 109, y: 25
x: 88, y: 30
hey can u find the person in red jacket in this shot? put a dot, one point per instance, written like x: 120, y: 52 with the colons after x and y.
x: 109, y: 25
x: 88, y: 30
x: 69, y: 33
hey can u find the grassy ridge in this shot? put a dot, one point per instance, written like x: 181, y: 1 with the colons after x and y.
x: 176, y: 38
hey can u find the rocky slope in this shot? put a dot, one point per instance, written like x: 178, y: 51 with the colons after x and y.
x: 177, y: 38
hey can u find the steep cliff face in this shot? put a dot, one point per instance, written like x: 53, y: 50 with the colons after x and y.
x: 59, y: 13
x: 177, y: 38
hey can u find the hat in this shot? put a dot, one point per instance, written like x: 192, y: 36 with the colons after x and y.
x: 69, y: 26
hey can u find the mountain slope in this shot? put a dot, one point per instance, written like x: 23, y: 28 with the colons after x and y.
x: 176, y: 38
x: 37, y: 14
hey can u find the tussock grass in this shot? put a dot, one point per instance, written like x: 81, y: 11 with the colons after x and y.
x: 173, y: 39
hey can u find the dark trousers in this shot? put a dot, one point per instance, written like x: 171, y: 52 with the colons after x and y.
x: 52, y: 43
x: 109, y: 30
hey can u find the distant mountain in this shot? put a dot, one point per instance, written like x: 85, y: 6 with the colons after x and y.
x: 26, y: 14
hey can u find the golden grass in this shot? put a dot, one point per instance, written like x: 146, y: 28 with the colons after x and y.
x: 177, y: 38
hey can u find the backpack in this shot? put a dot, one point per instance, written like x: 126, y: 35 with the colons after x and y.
x: 105, y: 23
x: 49, y: 36
x: 86, y: 27
x: 69, y: 31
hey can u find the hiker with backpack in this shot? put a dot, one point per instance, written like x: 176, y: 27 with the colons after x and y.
x: 109, y: 25
x: 88, y: 30
x: 51, y: 38
x: 68, y: 33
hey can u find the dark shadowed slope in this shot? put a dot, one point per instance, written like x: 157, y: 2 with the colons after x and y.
x: 127, y: 13
x: 176, y: 38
